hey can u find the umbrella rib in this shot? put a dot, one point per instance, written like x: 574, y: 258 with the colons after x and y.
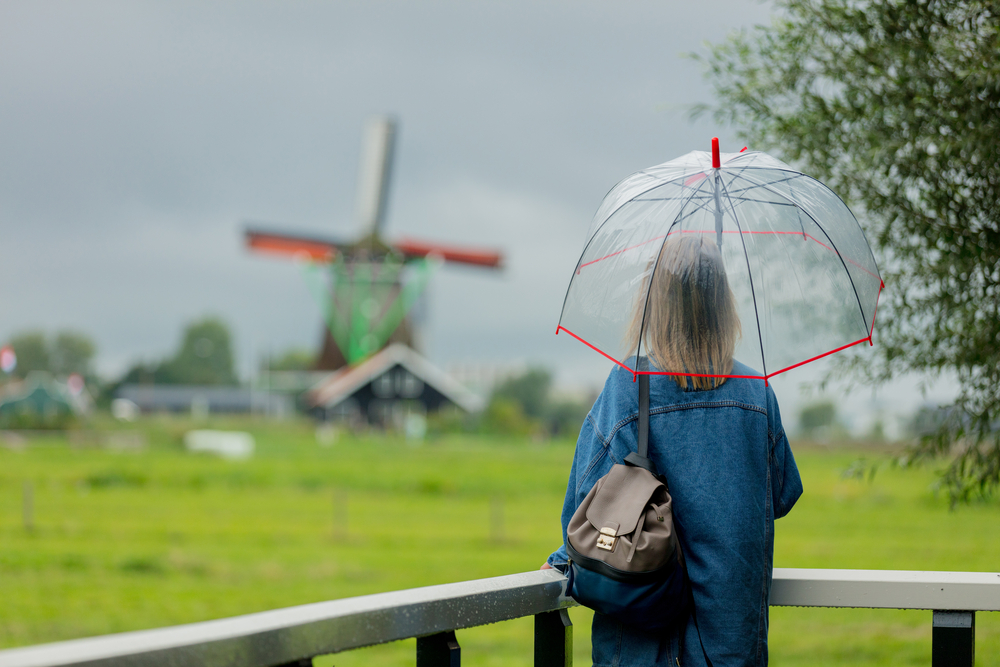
x: 596, y: 231
x: 785, y: 251
x: 756, y: 201
x: 632, y: 199
x: 701, y: 207
x: 753, y: 294
x: 758, y: 183
x: 685, y: 174
x: 586, y: 246
x: 864, y: 318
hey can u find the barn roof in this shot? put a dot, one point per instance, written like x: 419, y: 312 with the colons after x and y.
x: 345, y: 382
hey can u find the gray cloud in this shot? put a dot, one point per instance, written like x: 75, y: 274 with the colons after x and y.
x: 134, y: 138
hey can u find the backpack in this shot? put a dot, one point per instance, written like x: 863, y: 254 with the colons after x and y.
x: 625, y: 560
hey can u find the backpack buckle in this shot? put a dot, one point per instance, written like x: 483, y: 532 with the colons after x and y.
x: 607, y: 539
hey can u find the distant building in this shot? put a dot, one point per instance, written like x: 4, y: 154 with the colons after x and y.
x: 205, y: 399
x: 387, y: 389
x: 40, y: 401
x: 292, y: 383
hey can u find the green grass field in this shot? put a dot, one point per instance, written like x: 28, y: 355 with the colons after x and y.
x: 124, y: 541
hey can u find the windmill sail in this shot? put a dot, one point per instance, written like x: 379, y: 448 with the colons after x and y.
x: 374, y: 173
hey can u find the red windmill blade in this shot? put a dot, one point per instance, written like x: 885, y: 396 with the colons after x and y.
x: 294, y: 245
x: 317, y: 249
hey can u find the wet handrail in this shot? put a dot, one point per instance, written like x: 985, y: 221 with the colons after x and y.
x: 288, y: 636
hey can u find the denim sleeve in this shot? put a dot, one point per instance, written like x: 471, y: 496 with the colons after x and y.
x: 584, y: 446
x: 559, y: 559
x: 786, y: 485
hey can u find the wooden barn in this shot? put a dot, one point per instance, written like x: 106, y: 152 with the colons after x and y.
x: 387, y: 389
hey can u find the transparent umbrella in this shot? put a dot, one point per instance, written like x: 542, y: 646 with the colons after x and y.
x: 801, y: 273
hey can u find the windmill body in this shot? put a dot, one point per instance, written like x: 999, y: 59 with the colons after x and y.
x: 366, y: 288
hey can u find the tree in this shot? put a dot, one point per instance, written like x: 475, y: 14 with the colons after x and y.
x: 529, y: 390
x: 293, y: 359
x: 32, y: 352
x: 896, y: 106
x: 816, y: 416
x: 205, y: 356
x: 71, y: 352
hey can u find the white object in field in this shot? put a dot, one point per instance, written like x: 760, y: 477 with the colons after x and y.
x: 376, y: 165
x: 415, y: 426
x: 227, y: 444
x: 124, y: 410
x: 326, y: 434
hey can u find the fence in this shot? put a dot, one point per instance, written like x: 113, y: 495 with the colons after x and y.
x: 293, y: 636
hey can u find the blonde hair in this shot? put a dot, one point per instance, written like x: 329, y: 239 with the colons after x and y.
x: 688, y: 320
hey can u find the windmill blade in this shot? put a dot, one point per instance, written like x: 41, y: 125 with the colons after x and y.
x: 411, y: 248
x: 374, y: 173
x: 304, y: 246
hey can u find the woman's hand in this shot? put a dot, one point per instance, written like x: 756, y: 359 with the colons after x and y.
x: 545, y: 566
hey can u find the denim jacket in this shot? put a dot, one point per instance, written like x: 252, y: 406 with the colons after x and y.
x: 731, y: 473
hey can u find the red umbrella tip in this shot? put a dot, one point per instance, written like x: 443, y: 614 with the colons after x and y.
x: 716, y: 162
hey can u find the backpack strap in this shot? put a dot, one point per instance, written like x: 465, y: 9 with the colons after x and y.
x: 640, y: 458
x: 643, y: 416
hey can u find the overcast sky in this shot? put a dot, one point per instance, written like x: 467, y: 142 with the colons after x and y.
x: 135, y: 139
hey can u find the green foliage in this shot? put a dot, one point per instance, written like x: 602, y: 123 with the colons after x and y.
x: 926, y: 420
x: 205, y: 357
x: 519, y: 406
x: 70, y: 352
x: 57, y: 419
x: 529, y: 390
x: 505, y: 416
x: 566, y: 417
x: 817, y: 416
x: 896, y: 106
x: 32, y: 352
x: 295, y: 359
x: 451, y: 420
x: 523, y: 405
x: 877, y: 433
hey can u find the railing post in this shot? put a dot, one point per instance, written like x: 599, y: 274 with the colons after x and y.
x: 953, y: 642
x: 440, y: 650
x: 553, y: 639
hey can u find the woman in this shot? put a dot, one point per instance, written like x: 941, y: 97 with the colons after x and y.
x: 720, y: 445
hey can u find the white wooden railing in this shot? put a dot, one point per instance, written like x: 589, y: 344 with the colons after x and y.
x: 295, y: 635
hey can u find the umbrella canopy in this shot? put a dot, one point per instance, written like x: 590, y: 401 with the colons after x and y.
x: 801, y: 276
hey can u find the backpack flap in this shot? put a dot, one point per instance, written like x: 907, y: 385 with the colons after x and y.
x: 621, y: 498
x: 624, y: 522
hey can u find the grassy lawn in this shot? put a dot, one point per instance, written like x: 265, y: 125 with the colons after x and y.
x: 130, y: 540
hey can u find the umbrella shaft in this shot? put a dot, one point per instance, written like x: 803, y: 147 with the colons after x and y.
x: 718, y: 211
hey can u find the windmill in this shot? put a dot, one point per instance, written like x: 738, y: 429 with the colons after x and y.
x: 366, y: 288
